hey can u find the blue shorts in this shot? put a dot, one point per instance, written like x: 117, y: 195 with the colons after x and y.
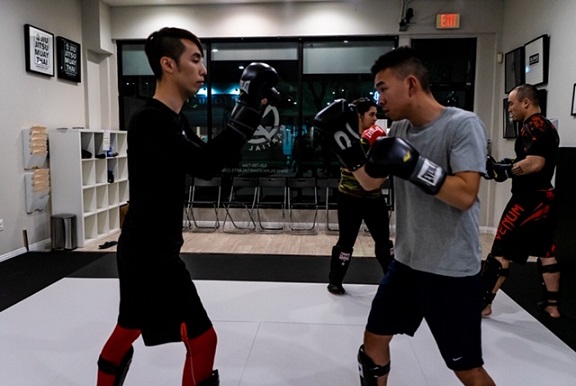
x: 450, y: 305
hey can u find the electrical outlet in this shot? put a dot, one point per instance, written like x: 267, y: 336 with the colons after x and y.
x: 1, y: 224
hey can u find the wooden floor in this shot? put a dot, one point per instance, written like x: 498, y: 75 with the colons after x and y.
x: 272, y: 243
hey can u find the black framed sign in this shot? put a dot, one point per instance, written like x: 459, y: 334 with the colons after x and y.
x: 536, y: 60
x: 514, y: 72
x: 39, y: 46
x: 573, y: 108
x: 68, y: 59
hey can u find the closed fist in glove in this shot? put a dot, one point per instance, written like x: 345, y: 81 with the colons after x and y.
x: 257, y: 82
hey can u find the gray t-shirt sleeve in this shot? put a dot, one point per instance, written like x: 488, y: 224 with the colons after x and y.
x: 466, y: 154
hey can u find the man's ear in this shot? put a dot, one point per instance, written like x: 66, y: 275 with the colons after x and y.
x: 526, y: 103
x: 412, y: 83
x: 168, y: 65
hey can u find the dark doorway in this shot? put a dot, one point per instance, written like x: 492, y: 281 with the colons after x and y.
x: 452, y: 65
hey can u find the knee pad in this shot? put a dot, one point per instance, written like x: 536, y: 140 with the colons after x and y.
x: 119, y: 371
x: 550, y: 268
x: 369, y: 371
x: 491, y: 270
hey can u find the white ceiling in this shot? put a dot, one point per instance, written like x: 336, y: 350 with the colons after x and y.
x: 127, y: 3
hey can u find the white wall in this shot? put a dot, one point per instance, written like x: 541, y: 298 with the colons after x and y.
x: 360, y: 17
x: 26, y: 100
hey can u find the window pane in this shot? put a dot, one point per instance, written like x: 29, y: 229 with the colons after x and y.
x: 343, y: 57
x: 134, y: 61
x: 249, y: 51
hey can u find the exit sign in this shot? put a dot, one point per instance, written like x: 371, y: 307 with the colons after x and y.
x: 448, y: 21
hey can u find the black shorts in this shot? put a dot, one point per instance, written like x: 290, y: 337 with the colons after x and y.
x: 450, y: 306
x: 527, y: 227
x: 157, y: 294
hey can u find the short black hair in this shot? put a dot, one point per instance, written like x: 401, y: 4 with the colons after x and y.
x: 528, y: 91
x: 364, y: 104
x: 404, y: 61
x: 167, y: 42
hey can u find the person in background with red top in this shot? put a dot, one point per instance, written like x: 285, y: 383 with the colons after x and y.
x: 356, y: 204
x: 527, y: 224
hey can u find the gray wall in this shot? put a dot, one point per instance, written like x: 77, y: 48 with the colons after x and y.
x: 29, y: 99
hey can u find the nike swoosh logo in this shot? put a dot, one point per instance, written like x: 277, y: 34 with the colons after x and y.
x: 456, y: 359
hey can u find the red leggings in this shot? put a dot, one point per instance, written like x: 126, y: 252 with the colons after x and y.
x: 200, y: 353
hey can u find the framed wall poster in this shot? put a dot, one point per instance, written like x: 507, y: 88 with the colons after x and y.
x: 39, y: 46
x: 514, y: 74
x: 511, y: 127
x: 68, y: 59
x: 536, y: 60
x: 573, y: 109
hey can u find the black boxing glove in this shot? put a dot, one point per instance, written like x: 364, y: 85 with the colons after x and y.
x: 391, y: 155
x: 272, y: 96
x: 337, y: 125
x: 498, y: 171
x: 256, y: 79
x: 489, y: 175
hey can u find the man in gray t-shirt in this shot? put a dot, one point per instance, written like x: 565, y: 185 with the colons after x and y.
x: 431, y: 235
x: 437, y: 155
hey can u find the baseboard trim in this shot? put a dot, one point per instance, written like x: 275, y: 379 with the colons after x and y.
x: 40, y: 246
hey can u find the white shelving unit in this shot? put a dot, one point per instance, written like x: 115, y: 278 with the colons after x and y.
x: 80, y: 179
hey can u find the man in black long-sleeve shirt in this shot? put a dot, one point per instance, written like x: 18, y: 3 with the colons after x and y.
x: 158, y: 299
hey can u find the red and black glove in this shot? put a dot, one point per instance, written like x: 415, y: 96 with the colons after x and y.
x: 370, y: 135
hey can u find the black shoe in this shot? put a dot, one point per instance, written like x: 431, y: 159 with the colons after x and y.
x: 108, y: 244
x: 336, y: 289
x: 213, y: 380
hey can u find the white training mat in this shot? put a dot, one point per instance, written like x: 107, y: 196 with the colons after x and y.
x: 269, y: 334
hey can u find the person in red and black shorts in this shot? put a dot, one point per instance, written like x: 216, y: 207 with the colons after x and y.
x: 527, y: 225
